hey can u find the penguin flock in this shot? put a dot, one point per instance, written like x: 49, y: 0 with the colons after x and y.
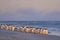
x: 24, y: 29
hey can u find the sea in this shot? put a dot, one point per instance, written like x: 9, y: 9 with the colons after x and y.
x: 52, y: 26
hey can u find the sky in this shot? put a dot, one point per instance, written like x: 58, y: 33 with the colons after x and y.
x: 29, y: 10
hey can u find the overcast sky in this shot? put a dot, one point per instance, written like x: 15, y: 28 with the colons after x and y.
x: 29, y: 10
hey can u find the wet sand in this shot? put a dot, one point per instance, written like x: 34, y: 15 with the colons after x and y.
x: 9, y: 35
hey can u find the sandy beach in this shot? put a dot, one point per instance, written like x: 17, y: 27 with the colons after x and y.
x: 9, y: 35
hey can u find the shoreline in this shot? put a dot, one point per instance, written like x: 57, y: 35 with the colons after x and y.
x: 9, y: 35
x: 54, y: 33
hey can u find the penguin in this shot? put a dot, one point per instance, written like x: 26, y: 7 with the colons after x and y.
x: 45, y: 31
x: 10, y: 28
x: 28, y: 29
x: 33, y: 30
x: 6, y: 27
x: 13, y: 28
x: 41, y: 31
x: 37, y: 30
x: 21, y: 29
x: 2, y: 26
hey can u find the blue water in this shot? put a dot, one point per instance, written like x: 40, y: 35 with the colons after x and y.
x: 51, y: 25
